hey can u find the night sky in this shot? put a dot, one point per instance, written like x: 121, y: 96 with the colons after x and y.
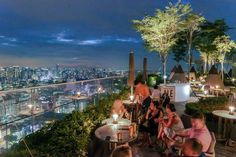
x: 86, y: 32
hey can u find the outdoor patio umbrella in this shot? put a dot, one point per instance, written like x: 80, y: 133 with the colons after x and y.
x: 131, y: 75
x: 145, y: 69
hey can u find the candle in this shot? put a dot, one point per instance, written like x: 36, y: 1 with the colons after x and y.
x: 131, y: 97
x: 231, y: 110
x: 217, y: 86
x: 115, y: 117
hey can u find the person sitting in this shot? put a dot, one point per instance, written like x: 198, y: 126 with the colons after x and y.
x: 119, y: 109
x: 156, y: 93
x: 152, y: 119
x: 170, y: 125
x: 165, y: 99
x: 122, y: 151
x: 142, y: 94
x: 199, y: 131
x: 192, y: 147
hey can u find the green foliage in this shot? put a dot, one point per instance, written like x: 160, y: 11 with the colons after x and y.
x: 205, y: 40
x: 223, y: 45
x: 21, y: 153
x: 207, y: 105
x: 209, y: 31
x: 180, y: 48
x: 69, y: 136
x: 154, y: 80
x: 159, y: 31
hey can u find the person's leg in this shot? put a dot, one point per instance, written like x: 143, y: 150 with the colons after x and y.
x: 160, y: 133
x: 149, y: 139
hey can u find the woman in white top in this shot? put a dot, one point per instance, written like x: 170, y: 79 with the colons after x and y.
x: 171, y: 125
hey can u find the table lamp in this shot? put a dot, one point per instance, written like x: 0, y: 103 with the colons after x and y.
x: 205, y: 92
x: 115, y: 117
x: 231, y: 110
x: 217, y: 86
x: 78, y: 94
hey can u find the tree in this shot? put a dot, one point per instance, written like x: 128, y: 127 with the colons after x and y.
x: 223, y: 46
x: 180, y: 48
x: 159, y: 31
x: 205, y: 38
x: 192, y: 24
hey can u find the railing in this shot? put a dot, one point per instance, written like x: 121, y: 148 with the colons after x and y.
x: 24, y: 111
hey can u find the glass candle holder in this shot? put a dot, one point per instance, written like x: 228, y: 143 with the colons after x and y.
x: 115, y: 117
x: 231, y: 110
x: 131, y: 97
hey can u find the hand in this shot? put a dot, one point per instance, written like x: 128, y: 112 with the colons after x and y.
x: 160, y: 120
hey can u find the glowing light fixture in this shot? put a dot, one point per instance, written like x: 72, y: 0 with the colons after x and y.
x: 131, y: 97
x: 115, y: 117
x: 231, y: 110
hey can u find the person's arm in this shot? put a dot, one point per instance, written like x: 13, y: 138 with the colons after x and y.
x: 159, y: 119
x: 184, y: 133
x: 169, y: 123
x: 147, y: 114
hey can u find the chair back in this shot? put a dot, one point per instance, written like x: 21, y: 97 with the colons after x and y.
x: 211, y: 149
x: 186, y: 119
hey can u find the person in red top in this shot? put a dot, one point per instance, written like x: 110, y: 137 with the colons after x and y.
x: 142, y: 94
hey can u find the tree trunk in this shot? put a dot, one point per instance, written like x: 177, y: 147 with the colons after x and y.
x: 164, y: 65
x: 164, y: 69
x: 189, y: 54
x: 207, y: 65
x: 222, y: 71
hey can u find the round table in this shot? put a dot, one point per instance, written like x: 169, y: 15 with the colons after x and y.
x: 129, y: 102
x: 111, y: 131
x: 121, y: 121
x: 224, y: 114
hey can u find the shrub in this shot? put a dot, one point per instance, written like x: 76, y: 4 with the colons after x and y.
x: 69, y: 136
x: 207, y: 105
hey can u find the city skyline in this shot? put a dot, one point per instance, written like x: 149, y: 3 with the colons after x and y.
x: 89, y: 33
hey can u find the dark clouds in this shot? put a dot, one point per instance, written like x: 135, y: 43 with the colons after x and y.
x: 94, y: 32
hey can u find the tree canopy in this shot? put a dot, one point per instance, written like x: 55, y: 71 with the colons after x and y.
x: 159, y: 31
